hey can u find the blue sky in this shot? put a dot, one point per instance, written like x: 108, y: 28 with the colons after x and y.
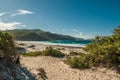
x: 79, y: 18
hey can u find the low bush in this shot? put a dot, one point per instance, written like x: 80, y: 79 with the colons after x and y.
x: 37, y: 53
x: 52, y: 52
x: 81, y: 62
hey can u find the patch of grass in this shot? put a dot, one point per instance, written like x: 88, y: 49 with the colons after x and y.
x: 37, y: 53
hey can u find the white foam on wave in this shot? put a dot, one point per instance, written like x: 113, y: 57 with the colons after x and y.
x: 61, y: 44
x: 50, y: 43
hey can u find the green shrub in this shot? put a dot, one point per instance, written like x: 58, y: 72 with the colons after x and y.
x: 49, y: 51
x: 103, y: 51
x: 80, y: 62
x: 52, y: 52
x: 7, y: 46
x: 75, y: 53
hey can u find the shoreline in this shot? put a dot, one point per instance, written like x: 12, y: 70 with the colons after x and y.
x: 40, y: 47
x: 55, y: 44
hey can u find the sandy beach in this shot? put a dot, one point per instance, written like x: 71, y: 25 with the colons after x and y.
x: 40, y: 47
x: 57, y: 70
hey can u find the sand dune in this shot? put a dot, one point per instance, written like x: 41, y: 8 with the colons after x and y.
x: 57, y: 70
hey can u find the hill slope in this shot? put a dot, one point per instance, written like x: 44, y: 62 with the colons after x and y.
x: 38, y: 35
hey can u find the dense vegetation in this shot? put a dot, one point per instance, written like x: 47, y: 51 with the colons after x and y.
x: 48, y: 52
x: 38, y: 35
x: 7, y: 46
x: 103, y: 51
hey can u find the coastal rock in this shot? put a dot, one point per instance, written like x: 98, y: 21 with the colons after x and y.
x: 14, y: 72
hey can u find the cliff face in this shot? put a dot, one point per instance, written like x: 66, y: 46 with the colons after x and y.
x: 10, y: 71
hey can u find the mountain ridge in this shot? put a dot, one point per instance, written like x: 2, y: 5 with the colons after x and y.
x: 39, y: 35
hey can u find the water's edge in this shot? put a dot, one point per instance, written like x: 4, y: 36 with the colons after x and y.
x: 62, y: 43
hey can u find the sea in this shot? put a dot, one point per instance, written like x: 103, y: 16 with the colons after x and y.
x: 72, y: 43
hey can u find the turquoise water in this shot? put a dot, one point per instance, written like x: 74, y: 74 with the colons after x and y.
x: 85, y: 42
x: 74, y: 43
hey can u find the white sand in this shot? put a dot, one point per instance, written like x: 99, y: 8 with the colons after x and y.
x: 57, y: 70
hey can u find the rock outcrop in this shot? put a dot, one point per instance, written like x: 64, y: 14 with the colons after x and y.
x: 10, y: 71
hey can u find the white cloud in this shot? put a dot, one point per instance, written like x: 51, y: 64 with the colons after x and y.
x: 9, y: 26
x: 0, y: 19
x: 22, y: 12
x: 75, y: 30
x: 80, y: 33
x: 3, y: 13
x: 23, y: 25
x: 84, y: 36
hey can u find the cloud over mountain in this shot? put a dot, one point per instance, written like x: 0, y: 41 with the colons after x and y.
x: 9, y: 25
